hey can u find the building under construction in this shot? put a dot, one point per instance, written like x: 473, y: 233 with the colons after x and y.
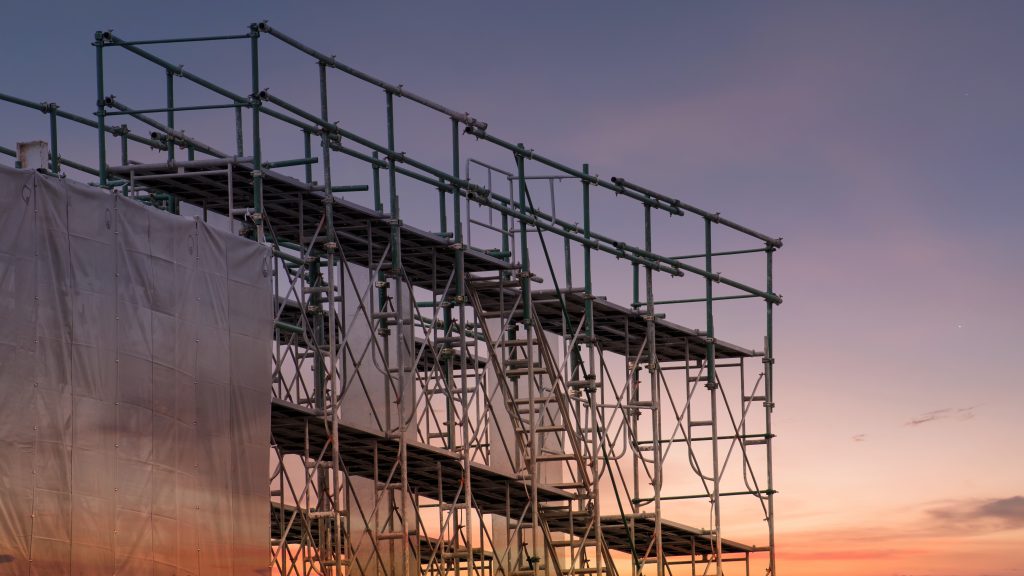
x: 452, y: 367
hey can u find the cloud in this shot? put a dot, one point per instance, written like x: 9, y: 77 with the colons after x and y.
x: 993, y: 514
x: 943, y: 414
x: 859, y: 437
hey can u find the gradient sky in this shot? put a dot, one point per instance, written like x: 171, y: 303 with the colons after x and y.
x: 884, y: 141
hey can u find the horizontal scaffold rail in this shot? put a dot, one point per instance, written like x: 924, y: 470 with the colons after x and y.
x: 311, y: 123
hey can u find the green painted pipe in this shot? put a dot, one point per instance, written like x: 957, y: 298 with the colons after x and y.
x: 296, y: 162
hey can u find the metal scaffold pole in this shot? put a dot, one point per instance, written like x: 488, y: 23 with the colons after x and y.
x: 713, y: 388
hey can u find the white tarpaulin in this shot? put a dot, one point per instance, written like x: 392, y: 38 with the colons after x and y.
x: 135, y: 352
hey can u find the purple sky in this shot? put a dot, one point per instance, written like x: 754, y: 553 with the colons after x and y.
x: 883, y: 141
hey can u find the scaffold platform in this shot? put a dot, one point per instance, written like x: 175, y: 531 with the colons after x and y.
x: 433, y: 472
x: 294, y: 212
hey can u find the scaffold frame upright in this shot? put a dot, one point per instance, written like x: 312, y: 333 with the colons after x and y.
x: 503, y: 429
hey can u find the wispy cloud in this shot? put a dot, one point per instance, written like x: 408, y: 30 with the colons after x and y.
x: 993, y: 514
x: 943, y: 414
x: 859, y: 437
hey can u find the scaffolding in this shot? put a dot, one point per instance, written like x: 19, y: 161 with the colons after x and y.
x: 434, y: 409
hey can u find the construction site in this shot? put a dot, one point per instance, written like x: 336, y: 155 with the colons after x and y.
x: 253, y: 331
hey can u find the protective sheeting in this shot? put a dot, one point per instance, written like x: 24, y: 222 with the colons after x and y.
x: 135, y: 351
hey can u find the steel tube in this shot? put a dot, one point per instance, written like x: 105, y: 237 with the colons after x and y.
x: 692, y: 300
x: 713, y: 388
x: 296, y: 162
x: 725, y: 253
x: 54, y: 154
x: 399, y: 90
x: 46, y: 106
x: 101, y: 109
x: 769, y: 406
x: 712, y: 216
x: 700, y: 496
x: 166, y: 129
x: 180, y: 40
x: 110, y: 39
x: 483, y: 135
x: 257, y: 154
x: 169, y: 110
x: 172, y: 110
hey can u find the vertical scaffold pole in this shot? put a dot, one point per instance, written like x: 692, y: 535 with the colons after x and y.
x: 524, y: 280
x: 446, y: 314
x: 636, y: 285
x: 101, y: 111
x: 54, y: 154
x: 307, y: 146
x: 124, y: 148
x: 769, y: 407
x: 400, y: 338
x: 331, y: 361
x: 170, y: 116
x: 257, y: 158
x: 595, y: 421
x: 712, y: 386
x: 396, y: 248
x: 652, y: 370
x: 460, y: 296
x: 377, y: 204
x: 239, y: 137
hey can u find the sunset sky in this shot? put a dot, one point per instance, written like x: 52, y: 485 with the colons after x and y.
x: 883, y: 140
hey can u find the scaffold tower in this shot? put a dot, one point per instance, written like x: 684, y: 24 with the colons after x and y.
x: 468, y: 375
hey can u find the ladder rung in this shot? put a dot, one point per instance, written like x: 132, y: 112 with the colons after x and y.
x: 701, y: 423
x: 323, y: 514
x: 457, y: 554
x: 494, y: 282
x: 564, y: 514
x: 538, y: 399
x: 554, y: 457
x: 586, y: 385
x: 525, y: 371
